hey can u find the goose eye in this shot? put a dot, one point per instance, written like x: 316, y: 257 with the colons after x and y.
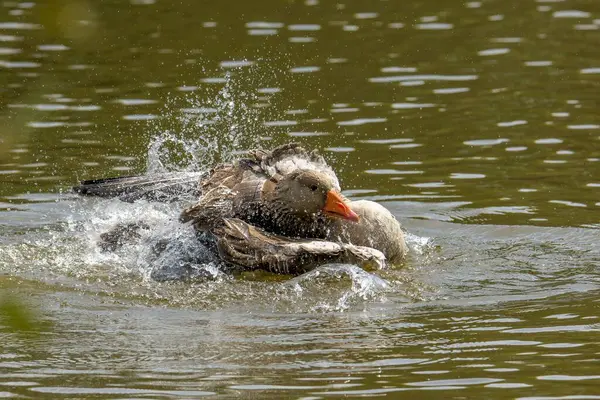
x: 313, y: 188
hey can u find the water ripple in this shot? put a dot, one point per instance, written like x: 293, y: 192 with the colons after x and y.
x: 493, y: 52
x: 451, y: 90
x: 361, y: 121
x: 62, y: 390
x: 19, y: 25
x: 408, y: 106
x: 304, y: 27
x: 437, y: 26
x: 571, y: 14
x: 135, y: 102
x: 402, y: 78
x: 485, y: 142
x: 19, y: 64
x: 511, y: 123
x: 264, y: 25
x: 455, y: 382
x: 300, y: 70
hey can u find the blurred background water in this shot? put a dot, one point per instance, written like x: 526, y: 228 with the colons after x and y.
x: 476, y: 123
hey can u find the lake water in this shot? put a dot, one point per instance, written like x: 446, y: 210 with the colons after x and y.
x: 476, y: 123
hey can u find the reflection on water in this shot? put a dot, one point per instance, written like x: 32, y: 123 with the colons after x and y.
x: 475, y: 122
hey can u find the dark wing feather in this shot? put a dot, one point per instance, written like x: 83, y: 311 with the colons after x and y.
x: 158, y: 187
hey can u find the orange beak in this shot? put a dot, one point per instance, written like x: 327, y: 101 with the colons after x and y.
x: 336, y: 206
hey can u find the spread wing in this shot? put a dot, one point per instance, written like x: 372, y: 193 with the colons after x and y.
x: 158, y: 187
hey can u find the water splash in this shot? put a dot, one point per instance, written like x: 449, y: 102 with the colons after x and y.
x: 418, y: 244
x: 328, y: 284
x: 208, y: 130
x: 161, y: 248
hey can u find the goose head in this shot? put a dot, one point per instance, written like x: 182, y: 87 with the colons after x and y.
x: 308, y: 193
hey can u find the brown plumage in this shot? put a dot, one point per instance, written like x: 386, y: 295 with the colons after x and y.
x: 301, y: 204
x: 288, y: 191
x: 252, y: 248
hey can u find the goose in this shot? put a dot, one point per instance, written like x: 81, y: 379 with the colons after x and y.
x: 279, y: 210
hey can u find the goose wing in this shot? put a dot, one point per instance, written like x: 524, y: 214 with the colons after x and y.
x: 157, y: 187
x: 252, y: 248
